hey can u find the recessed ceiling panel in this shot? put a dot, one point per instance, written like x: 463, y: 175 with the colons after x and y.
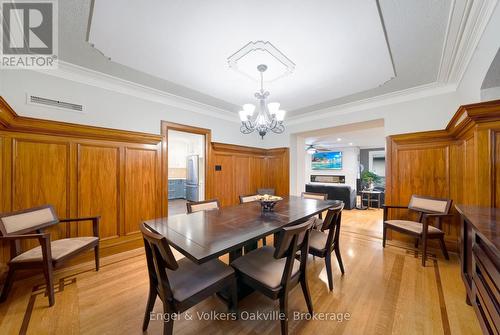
x: 338, y: 47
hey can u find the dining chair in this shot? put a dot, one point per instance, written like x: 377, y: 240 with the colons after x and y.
x: 30, y: 224
x: 427, y: 208
x: 275, y: 271
x: 325, y: 240
x: 181, y: 284
x: 263, y: 191
x: 315, y: 196
x: 197, y: 206
x: 251, y: 198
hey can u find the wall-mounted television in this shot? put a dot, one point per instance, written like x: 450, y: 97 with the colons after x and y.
x: 331, y: 160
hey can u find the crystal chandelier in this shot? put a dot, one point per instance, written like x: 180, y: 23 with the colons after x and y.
x: 269, y: 116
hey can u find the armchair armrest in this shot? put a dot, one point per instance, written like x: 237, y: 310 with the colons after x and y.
x: 386, y: 209
x: 24, y: 237
x: 95, y: 222
x: 87, y: 218
x: 431, y: 215
x: 394, y: 206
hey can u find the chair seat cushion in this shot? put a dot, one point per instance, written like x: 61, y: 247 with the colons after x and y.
x: 191, y: 278
x: 317, y: 239
x: 261, y: 265
x: 59, y: 249
x: 412, y: 226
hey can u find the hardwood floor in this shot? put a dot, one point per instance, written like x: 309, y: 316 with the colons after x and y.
x: 385, y: 291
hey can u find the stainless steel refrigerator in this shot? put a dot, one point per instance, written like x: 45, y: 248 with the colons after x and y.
x: 193, y: 178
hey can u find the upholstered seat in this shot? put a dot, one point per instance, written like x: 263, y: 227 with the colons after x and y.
x: 415, y: 227
x: 261, y: 265
x: 59, y: 249
x: 317, y: 240
x: 191, y: 278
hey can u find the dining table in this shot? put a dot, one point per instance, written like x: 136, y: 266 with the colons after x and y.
x: 206, y: 235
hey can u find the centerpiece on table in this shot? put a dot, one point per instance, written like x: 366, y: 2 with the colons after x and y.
x: 268, y: 201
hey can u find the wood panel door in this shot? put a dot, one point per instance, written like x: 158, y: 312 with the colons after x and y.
x: 223, y: 179
x: 41, y: 176
x: 141, y: 187
x: 98, y: 189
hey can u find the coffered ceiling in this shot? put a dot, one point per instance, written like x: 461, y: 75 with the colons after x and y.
x: 343, y: 51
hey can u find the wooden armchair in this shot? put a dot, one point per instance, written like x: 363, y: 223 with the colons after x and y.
x: 31, y: 224
x: 427, y: 208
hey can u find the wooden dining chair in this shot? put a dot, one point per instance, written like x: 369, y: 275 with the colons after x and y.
x: 31, y: 224
x: 427, y: 208
x: 197, y: 206
x: 315, y: 196
x: 275, y: 271
x: 251, y: 198
x: 181, y: 284
x: 263, y: 191
x: 325, y: 240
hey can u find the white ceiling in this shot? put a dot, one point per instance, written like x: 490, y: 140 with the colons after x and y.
x: 416, y: 31
x: 369, y: 134
x: 339, y: 47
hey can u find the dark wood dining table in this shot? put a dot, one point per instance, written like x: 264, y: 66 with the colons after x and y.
x: 205, y: 235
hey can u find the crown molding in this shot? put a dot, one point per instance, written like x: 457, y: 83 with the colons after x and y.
x: 409, y: 94
x: 466, y: 24
x: 101, y: 80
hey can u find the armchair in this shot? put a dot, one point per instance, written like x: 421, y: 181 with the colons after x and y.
x: 31, y: 224
x: 427, y: 208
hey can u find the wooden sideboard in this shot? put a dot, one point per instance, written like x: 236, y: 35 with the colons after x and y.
x: 480, y: 263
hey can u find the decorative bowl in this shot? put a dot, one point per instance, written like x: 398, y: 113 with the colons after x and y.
x: 268, y: 202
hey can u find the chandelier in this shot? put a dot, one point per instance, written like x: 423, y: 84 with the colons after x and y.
x: 269, y: 116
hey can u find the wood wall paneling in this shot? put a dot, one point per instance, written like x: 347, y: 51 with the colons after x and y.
x: 497, y: 168
x: 223, y: 183
x: 98, y: 189
x: 245, y: 169
x: 141, y: 187
x: 41, y: 176
x: 459, y: 162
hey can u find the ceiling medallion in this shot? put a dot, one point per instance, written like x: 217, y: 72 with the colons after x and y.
x: 269, y: 116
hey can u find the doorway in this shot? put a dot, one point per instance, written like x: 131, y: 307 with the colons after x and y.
x: 185, y: 161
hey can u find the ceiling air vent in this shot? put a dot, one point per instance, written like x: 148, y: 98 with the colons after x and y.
x: 36, y: 100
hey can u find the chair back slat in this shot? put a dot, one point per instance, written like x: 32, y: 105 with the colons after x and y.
x: 316, y: 196
x: 332, y: 225
x: 28, y: 220
x: 290, y: 239
x: 159, y: 257
x: 263, y: 191
x: 429, y: 205
x: 198, y: 206
x: 154, y: 240
x: 248, y: 198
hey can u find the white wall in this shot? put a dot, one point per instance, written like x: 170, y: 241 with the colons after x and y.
x: 112, y: 109
x: 350, y: 167
x: 492, y: 93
